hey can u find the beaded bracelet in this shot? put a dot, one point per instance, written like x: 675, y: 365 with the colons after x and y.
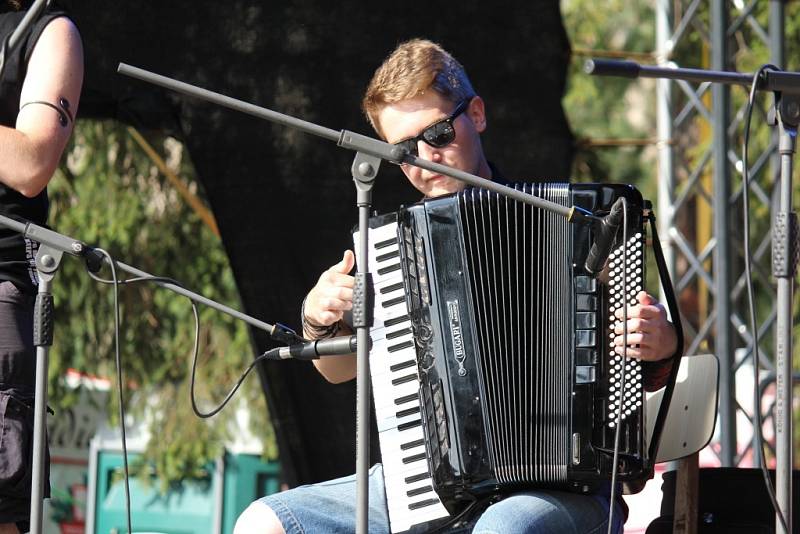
x: 318, y: 331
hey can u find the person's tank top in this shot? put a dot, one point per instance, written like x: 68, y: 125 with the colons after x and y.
x: 18, y: 254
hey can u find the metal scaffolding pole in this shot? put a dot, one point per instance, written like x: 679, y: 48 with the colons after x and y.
x: 720, y: 112
x: 666, y: 172
x: 700, y: 197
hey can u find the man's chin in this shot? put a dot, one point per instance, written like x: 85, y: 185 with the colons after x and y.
x: 445, y: 187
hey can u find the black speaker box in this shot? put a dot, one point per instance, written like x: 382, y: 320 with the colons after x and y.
x: 730, y: 501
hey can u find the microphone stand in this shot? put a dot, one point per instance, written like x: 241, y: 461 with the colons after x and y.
x: 786, y: 88
x: 369, y: 154
x: 51, y: 250
x: 43, y: 306
x: 12, y: 41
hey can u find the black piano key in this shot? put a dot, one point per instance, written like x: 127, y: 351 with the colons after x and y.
x: 396, y: 320
x: 417, y: 478
x: 385, y: 243
x: 409, y: 425
x: 412, y: 444
x: 400, y: 346
x: 403, y: 365
x: 422, y: 504
x: 414, y: 458
x: 407, y: 398
x: 398, y: 333
x: 389, y: 269
x: 419, y: 491
x: 388, y: 256
x: 393, y: 302
x: 404, y: 379
x: 390, y: 288
x: 407, y: 412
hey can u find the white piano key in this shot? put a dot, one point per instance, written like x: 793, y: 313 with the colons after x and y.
x: 387, y: 410
x: 395, y: 439
x: 422, y: 489
x: 396, y: 464
x: 382, y: 344
x: 383, y: 378
x: 401, y: 520
x: 407, y: 475
x: 392, y: 422
x: 387, y: 397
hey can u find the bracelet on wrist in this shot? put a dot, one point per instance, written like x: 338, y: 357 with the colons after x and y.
x: 318, y: 331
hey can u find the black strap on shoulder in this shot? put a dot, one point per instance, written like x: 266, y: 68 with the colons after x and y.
x: 672, y: 305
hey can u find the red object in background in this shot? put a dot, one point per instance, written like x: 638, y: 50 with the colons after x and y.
x: 72, y: 527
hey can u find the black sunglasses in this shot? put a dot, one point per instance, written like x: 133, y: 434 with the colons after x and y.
x: 438, y: 135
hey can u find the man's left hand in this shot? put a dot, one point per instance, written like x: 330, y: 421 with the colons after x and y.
x: 651, y: 336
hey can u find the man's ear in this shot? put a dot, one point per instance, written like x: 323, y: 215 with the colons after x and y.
x: 477, y: 113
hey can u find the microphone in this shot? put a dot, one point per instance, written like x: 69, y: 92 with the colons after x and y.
x: 312, y: 350
x: 604, y: 238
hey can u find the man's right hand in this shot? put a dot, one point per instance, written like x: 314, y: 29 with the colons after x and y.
x: 333, y: 294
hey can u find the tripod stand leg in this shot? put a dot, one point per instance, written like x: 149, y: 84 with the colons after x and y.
x: 39, y: 440
x: 47, y: 263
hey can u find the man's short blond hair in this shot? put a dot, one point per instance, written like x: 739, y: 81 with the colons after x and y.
x: 414, y: 67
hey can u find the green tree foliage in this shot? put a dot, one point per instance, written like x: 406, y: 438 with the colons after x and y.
x: 108, y: 193
x: 605, y: 108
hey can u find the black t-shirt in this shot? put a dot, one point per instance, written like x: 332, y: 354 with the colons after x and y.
x: 17, y: 254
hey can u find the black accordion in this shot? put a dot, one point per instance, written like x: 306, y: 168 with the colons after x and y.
x: 492, y: 364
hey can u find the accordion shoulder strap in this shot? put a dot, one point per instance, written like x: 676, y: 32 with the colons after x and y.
x: 672, y: 305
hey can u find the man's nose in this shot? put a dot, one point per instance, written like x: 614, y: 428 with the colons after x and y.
x: 428, y: 152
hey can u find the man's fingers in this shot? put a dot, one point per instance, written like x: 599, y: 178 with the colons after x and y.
x: 339, y: 279
x: 643, y: 311
x: 338, y: 293
x: 634, y: 325
x: 335, y: 304
x: 632, y: 352
x: 633, y: 339
x: 346, y: 264
x: 645, y: 299
x: 329, y: 317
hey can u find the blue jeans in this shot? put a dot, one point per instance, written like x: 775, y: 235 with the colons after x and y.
x: 329, y: 507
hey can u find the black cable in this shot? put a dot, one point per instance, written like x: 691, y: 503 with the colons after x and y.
x: 613, y: 492
x: 118, y: 361
x: 269, y: 355
x: 757, y: 432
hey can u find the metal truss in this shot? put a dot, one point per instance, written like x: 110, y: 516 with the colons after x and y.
x: 700, y: 190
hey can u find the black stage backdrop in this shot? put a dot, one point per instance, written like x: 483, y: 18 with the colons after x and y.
x: 284, y: 200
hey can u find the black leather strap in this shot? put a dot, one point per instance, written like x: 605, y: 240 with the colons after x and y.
x: 672, y: 305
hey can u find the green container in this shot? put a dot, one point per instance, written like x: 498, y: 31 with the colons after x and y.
x: 196, y: 507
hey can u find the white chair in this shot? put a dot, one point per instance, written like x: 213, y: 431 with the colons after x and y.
x: 693, y: 408
x: 688, y: 428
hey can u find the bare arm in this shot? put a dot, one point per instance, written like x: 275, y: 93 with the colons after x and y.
x: 29, y: 153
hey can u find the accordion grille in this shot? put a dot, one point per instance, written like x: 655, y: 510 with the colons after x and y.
x: 518, y: 258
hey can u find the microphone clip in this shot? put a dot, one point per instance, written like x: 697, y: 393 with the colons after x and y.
x: 605, y: 234
x: 283, y: 334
